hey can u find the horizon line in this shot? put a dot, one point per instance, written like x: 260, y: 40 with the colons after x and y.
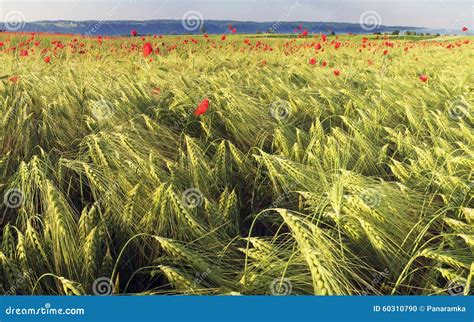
x: 223, y: 20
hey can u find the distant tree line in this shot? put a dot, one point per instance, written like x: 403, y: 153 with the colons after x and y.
x: 406, y: 33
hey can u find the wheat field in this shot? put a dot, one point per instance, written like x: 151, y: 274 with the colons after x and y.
x: 237, y: 165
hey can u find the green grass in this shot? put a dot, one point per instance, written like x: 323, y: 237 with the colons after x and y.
x: 302, y: 182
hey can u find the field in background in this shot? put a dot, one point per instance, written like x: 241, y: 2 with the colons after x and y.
x: 236, y: 165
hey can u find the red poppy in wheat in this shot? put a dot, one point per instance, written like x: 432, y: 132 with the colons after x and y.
x: 424, y: 78
x: 324, y: 64
x: 465, y: 29
x: 337, y: 45
x: 47, y: 59
x: 312, y: 61
x: 385, y: 52
x: 223, y: 37
x: 24, y: 53
x: 147, y: 49
x: 134, y: 33
x: 14, y: 79
x: 337, y: 72
x: 1, y: 44
x: 202, y: 107
x: 234, y: 30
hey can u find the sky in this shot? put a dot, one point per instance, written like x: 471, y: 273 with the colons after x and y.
x: 449, y: 14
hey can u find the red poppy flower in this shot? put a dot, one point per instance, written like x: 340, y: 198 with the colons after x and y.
x: 424, y: 78
x: 223, y: 37
x: 312, y: 61
x: 47, y: 59
x: 147, y: 49
x: 324, y: 37
x: 318, y: 46
x: 304, y: 33
x: 134, y: 33
x: 337, y: 72
x: 324, y: 63
x: 385, y: 52
x: 234, y: 30
x: 13, y: 79
x: 465, y: 29
x: 202, y: 107
x: 1, y: 44
x: 337, y: 45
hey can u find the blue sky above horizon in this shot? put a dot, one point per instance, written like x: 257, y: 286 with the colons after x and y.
x: 450, y: 14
